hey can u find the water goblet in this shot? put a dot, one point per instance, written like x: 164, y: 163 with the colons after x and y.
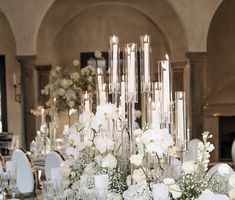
x: 59, y: 188
x: 47, y: 190
x: 12, y: 184
x: 3, y: 183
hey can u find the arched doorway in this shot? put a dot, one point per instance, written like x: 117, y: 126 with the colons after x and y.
x: 219, y: 102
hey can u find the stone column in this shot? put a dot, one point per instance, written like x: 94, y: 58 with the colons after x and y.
x: 28, y: 99
x: 43, y: 80
x: 197, y: 61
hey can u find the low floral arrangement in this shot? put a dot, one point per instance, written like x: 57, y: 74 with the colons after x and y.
x: 192, y: 181
x: 67, y: 88
x: 91, y: 152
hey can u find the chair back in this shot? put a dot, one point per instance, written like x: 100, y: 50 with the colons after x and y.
x: 53, y: 160
x: 233, y: 151
x: 2, y: 164
x: 213, y: 170
x: 25, y: 174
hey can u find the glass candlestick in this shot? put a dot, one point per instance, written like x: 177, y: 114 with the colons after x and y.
x: 114, y: 57
x: 165, y: 77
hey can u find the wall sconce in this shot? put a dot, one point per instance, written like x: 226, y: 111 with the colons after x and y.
x: 17, y: 89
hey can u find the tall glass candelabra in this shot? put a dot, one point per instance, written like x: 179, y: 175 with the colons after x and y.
x: 180, y: 123
x: 165, y: 77
x: 131, y: 91
x: 146, y: 86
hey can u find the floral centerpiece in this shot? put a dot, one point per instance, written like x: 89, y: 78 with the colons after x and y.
x: 67, y: 88
x: 91, y: 152
x: 190, y: 183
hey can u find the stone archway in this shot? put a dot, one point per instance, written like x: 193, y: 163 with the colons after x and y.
x: 219, y: 89
x: 8, y: 50
x: 159, y: 12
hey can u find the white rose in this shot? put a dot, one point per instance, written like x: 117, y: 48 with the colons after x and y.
x: 98, y: 54
x: 61, y: 92
x: 138, y: 176
x: 168, y: 181
x: 57, y: 68
x: 89, y: 78
x: 71, y: 104
x: 75, y: 76
x: 136, y: 159
x: 188, y: 167
x: 76, y: 62
x: 175, y: 191
x: 109, y: 161
x: 223, y: 169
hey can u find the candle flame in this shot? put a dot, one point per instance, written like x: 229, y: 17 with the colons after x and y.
x: 167, y: 57
x: 146, y: 38
x: 86, y: 96
x: 114, y: 39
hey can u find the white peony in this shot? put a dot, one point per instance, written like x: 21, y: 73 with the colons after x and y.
x: 103, y: 143
x: 109, y: 161
x: 136, y: 159
x: 189, y: 167
x: 138, y: 176
x: 175, y: 191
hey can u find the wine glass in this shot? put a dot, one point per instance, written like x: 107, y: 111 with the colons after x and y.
x: 59, y: 188
x: 3, y: 183
x: 47, y: 190
x: 12, y: 184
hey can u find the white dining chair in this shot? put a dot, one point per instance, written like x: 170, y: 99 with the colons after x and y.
x: 213, y: 170
x: 233, y: 151
x: 53, y: 160
x: 2, y: 164
x: 25, y: 174
x: 191, y: 154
